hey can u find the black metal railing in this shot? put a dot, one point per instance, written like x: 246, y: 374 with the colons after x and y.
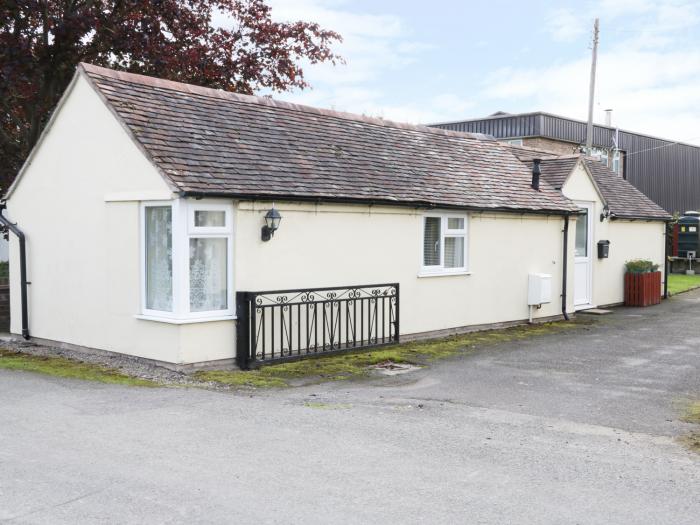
x: 291, y: 324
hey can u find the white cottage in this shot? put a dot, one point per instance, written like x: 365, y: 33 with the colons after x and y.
x: 151, y: 216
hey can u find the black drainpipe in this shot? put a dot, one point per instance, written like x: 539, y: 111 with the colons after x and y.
x: 565, y: 270
x: 22, y: 268
x: 666, y: 255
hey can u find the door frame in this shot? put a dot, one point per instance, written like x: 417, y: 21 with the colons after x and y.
x: 590, y: 206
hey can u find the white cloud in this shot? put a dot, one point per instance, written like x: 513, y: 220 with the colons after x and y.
x: 651, y: 82
x: 565, y: 25
x: 372, y: 45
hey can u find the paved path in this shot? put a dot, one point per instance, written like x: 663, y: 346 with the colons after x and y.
x: 569, y: 428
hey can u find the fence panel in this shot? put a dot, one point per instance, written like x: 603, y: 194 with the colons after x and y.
x: 293, y: 324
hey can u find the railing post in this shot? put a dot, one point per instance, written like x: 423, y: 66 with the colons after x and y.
x: 396, y: 322
x: 243, y: 330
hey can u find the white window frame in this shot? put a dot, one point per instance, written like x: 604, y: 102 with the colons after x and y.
x: 183, y: 229
x: 211, y: 232
x: 436, y: 270
x: 142, y: 259
x: 516, y: 142
x: 200, y: 205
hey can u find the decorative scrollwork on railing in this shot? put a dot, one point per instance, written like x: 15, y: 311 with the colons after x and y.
x: 320, y: 295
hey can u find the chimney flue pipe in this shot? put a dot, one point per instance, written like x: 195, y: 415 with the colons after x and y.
x: 608, y: 117
x: 536, y: 174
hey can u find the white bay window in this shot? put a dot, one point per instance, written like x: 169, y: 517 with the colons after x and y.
x: 187, y: 260
x: 444, y: 247
x: 159, y: 258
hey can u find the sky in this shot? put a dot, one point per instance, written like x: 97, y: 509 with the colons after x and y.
x: 427, y: 61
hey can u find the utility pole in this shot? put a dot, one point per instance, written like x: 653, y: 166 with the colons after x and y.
x: 591, y: 93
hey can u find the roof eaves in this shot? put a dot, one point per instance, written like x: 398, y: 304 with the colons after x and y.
x: 632, y: 217
x: 373, y: 202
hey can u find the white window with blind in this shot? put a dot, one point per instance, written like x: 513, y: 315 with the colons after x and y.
x: 187, y: 261
x: 444, y: 244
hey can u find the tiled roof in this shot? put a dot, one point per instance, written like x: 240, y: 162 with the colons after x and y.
x: 557, y: 170
x: 623, y: 199
x: 211, y: 142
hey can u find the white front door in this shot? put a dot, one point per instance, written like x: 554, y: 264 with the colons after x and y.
x: 583, y: 260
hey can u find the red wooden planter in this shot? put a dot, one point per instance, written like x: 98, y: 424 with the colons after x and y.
x: 642, y: 289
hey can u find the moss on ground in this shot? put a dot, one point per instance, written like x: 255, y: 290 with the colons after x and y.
x: 692, y: 415
x: 61, y: 367
x: 357, y: 365
x: 679, y: 283
x: 692, y: 441
x: 326, y: 406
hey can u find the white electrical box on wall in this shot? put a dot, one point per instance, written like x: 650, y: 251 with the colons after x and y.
x: 539, y: 290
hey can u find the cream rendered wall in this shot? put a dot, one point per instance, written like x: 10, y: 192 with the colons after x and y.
x: 628, y: 240
x: 331, y: 245
x: 83, y: 252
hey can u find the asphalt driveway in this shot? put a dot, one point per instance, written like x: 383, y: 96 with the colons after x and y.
x: 574, y: 427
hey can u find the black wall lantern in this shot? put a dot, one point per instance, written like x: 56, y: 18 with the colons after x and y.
x: 607, y: 214
x: 272, y: 222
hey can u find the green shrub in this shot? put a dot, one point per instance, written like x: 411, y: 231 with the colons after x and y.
x: 641, y: 266
x: 4, y: 269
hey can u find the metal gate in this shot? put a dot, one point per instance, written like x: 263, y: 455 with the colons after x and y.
x: 282, y: 325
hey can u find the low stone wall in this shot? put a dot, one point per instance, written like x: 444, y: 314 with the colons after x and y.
x: 4, y: 305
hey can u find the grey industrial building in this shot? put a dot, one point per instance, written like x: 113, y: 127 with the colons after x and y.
x: 666, y: 171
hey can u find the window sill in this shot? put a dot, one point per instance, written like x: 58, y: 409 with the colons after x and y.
x: 192, y: 320
x: 443, y: 274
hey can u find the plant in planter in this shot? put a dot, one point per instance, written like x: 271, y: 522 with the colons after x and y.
x: 642, y: 283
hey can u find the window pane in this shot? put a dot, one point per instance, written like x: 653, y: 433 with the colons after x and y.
x: 582, y: 235
x: 215, y: 218
x: 159, y: 258
x: 208, y: 279
x: 454, y: 252
x: 431, y: 241
x: 455, y: 223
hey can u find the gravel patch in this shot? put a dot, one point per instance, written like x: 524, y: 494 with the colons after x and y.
x: 128, y: 365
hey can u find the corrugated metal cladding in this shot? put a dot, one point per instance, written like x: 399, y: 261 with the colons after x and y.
x: 667, y: 173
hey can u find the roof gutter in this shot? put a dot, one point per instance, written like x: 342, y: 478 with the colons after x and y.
x: 368, y: 202
x: 22, y: 267
x: 616, y: 217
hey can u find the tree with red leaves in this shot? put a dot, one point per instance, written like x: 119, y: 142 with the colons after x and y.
x: 42, y: 41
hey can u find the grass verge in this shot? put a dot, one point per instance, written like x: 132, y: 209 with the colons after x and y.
x: 61, y: 367
x: 351, y: 366
x: 679, y: 283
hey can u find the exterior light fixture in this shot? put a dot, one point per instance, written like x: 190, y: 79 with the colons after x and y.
x: 606, y: 213
x: 272, y: 222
